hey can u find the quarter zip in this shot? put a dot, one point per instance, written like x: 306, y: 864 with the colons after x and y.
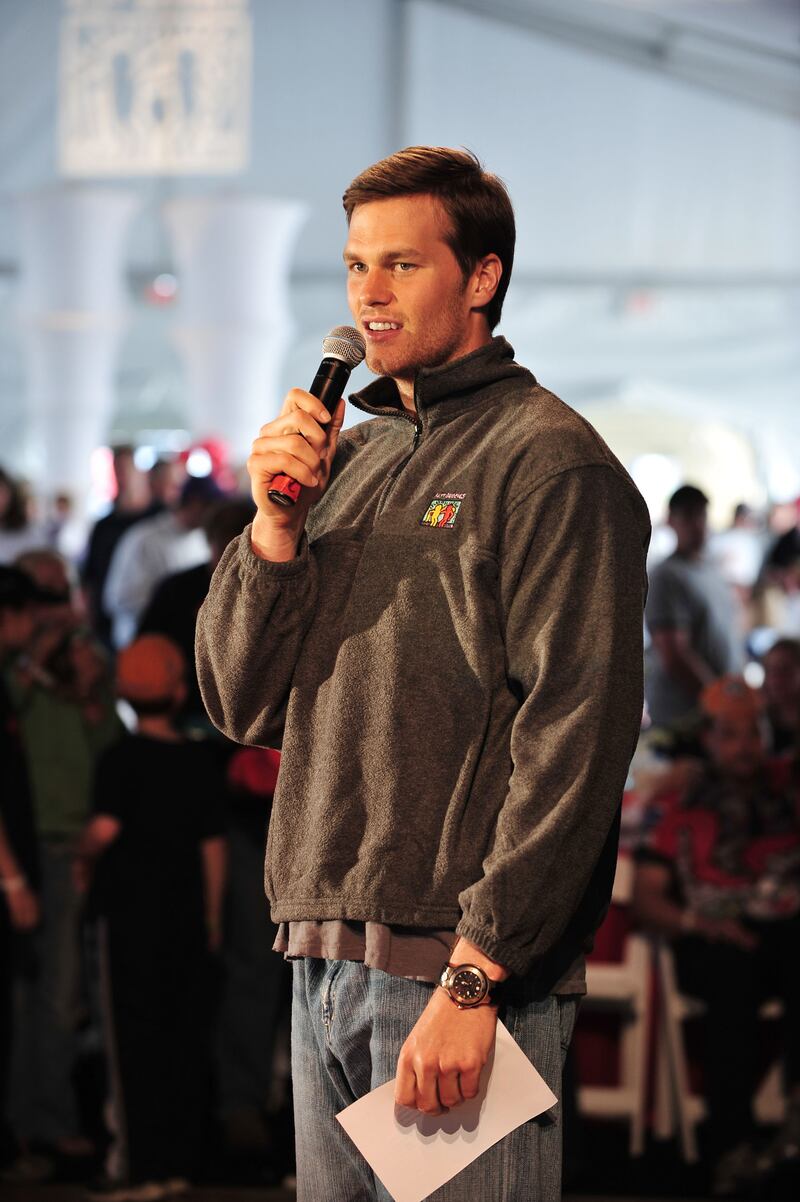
x: 398, y: 467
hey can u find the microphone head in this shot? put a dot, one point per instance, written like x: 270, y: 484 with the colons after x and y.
x: 346, y: 344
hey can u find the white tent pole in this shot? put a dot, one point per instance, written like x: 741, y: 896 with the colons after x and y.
x: 233, y: 256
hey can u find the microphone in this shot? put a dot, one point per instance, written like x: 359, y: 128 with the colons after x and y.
x: 342, y: 350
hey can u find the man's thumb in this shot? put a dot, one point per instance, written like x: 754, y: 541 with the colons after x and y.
x: 337, y: 421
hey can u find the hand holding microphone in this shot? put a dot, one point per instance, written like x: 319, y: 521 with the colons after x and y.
x: 291, y: 459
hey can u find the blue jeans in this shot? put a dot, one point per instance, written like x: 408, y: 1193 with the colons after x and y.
x: 348, y: 1026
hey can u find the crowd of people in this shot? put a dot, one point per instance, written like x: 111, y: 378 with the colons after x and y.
x: 140, y: 998
x: 716, y: 834
x: 132, y: 916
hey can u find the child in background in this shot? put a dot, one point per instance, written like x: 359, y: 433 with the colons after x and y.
x: 156, y: 837
x: 719, y: 875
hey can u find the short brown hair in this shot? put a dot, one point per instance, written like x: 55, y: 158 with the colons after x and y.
x: 476, y: 202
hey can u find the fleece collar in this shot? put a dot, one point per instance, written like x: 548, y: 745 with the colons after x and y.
x: 450, y: 388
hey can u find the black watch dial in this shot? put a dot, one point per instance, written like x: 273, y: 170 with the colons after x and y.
x: 468, y: 986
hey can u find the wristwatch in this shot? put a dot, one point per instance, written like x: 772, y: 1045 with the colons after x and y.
x: 469, y: 985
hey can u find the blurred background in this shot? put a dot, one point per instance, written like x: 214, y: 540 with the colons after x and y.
x: 171, y: 231
x: 171, y: 226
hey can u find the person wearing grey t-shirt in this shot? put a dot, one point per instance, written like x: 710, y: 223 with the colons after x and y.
x: 690, y: 616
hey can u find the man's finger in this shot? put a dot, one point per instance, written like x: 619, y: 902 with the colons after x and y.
x: 291, y: 426
x: 264, y: 467
x: 337, y: 417
x: 298, y: 398
x: 449, y: 1089
x: 405, y: 1086
x: 470, y: 1081
x: 337, y: 420
x: 427, y: 1090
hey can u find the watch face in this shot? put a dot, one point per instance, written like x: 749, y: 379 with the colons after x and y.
x: 468, y: 986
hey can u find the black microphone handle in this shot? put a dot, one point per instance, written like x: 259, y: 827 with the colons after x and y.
x: 330, y: 382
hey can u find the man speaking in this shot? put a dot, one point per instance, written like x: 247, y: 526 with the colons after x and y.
x: 445, y: 630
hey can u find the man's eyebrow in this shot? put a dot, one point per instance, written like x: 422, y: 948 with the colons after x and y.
x: 403, y: 252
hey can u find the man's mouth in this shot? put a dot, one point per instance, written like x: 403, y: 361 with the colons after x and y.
x: 379, y: 326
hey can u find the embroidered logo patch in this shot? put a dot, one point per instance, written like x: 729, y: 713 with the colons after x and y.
x: 443, y: 510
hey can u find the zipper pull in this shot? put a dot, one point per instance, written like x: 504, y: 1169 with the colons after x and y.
x: 397, y: 469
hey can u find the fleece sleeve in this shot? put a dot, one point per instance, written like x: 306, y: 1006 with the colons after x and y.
x: 250, y: 632
x: 572, y: 593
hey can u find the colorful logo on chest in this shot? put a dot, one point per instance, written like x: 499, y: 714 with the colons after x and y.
x: 443, y: 510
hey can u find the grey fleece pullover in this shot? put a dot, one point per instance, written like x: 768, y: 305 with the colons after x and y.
x: 458, y: 702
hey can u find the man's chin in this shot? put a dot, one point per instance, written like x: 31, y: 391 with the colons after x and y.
x: 386, y: 365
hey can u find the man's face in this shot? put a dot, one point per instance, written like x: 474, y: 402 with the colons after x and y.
x: 405, y: 288
x: 691, y: 528
x: 737, y: 745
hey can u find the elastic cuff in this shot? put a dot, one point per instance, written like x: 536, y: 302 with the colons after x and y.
x: 255, y: 567
x: 496, y: 949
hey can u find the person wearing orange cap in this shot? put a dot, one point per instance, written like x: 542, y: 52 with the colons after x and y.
x: 154, y: 854
x: 719, y: 875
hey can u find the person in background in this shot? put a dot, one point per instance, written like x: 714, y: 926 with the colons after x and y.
x: 156, y: 842
x: 737, y: 552
x: 778, y: 593
x: 256, y: 990
x: 690, y: 617
x: 166, y: 479
x: 169, y: 542
x: 134, y: 501
x: 719, y: 875
x: 177, y: 599
x: 62, y: 697
x: 18, y: 532
x: 781, y: 690
x: 19, y: 874
x: 60, y: 527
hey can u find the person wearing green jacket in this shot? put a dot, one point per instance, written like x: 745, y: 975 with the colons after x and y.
x: 63, y: 699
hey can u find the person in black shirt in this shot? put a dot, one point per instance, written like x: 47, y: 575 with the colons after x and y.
x: 156, y: 837
x: 139, y: 496
x: 19, y: 902
x: 174, y: 606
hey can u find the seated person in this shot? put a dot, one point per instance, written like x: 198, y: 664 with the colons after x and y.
x: 719, y: 874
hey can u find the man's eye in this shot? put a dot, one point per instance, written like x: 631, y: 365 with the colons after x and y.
x: 357, y: 267
x: 404, y: 266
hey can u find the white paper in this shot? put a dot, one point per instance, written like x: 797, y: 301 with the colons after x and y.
x: 414, y: 1154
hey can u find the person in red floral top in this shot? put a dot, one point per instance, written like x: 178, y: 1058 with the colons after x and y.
x: 719, y: 875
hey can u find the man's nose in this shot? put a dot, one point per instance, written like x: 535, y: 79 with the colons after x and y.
x: 376, y: 288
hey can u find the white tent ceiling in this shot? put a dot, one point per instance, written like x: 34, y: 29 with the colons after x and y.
x: 652, y: 150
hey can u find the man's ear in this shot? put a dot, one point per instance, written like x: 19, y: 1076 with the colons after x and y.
x: 485, y: 280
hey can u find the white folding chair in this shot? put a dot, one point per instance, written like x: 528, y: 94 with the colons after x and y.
x: 623, y: 987
x: 675, y: 1103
